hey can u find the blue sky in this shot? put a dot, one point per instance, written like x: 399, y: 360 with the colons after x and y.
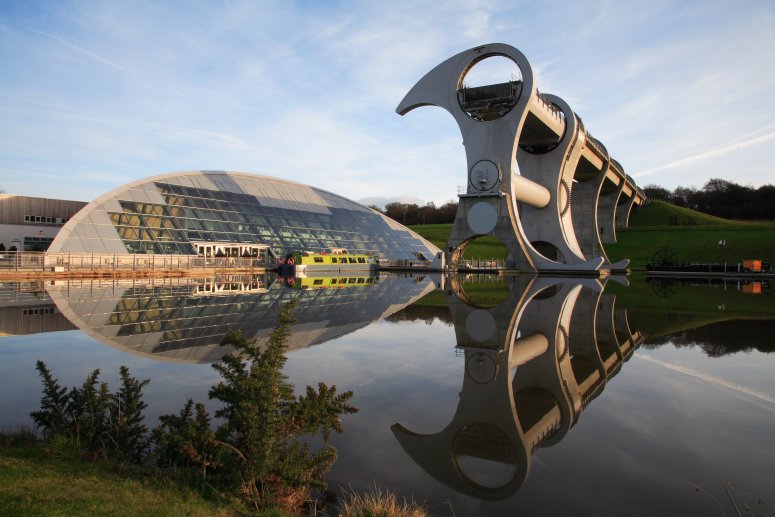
x: 94, y: 94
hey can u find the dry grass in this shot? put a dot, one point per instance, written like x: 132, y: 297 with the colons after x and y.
x: 378, y: 503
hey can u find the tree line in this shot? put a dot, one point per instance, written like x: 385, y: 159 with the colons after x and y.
x: 721, y: 198
x: 717, y: 197
x: 412, y: 213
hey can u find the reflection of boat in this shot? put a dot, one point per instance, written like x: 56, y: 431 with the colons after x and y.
x: 337, y: 259
x: 331, y: 282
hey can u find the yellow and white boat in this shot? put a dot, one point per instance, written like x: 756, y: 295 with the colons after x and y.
x: 336, y: 261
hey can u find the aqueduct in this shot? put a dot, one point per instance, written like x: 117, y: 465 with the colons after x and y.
x: 537, y: 180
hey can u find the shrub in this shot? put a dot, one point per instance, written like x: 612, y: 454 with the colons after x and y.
x: 259, y: 452
x: 92, y: 417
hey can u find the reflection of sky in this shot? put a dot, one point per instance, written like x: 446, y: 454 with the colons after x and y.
x: 71, y: 356
x: 638, y: 448
x: 738, y: 368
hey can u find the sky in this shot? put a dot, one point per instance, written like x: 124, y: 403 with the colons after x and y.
x: 95, y: 94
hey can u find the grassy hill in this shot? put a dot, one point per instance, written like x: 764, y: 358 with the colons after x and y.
x: 690, y: 235
x: 661, y: 214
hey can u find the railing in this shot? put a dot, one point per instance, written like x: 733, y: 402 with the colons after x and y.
x: 482, y: 264
x: 549, y: 105
x: 596, y: 146
x: 410, y: 264
x: 37, y: 261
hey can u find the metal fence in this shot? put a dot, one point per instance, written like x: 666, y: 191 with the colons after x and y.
x: 482, y: 264
x: 37, y: 261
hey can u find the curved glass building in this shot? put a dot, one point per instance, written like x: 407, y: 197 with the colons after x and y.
x: 218, y: 213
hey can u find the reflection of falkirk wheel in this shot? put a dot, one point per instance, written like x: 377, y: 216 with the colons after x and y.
x: 525, y: 154
x: 531, y: 367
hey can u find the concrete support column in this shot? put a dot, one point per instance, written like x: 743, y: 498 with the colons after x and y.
x: 585, y: 222
x: 623, y: 211
x: 606, y: 213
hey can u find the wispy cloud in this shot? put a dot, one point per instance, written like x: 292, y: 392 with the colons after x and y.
x: 691, y: 160
x: 710, y: 378
x: 308, y: 91
x: 80, y: 49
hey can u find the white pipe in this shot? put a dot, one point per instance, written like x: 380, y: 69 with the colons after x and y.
x: 530, y: 192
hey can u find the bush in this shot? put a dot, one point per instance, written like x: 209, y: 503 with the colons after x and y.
x: 260, y: 453
x: 92, y: 417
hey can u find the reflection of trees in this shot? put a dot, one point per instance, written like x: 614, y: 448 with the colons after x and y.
x: 426, y: 313
x: 722, y: 338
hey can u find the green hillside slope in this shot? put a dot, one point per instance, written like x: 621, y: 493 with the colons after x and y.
x: 659, y: 213
x: 691, y: 236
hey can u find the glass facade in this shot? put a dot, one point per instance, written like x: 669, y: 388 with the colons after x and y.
x: 174, y: 214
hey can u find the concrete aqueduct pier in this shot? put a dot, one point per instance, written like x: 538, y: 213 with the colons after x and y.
x: 537, y: 180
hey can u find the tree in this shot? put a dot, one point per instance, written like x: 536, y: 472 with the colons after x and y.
x: 258, y: 452
x: 656, y: 192
x: 92, y: 417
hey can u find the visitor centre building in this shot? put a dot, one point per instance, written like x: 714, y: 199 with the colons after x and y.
x: 227, y: 214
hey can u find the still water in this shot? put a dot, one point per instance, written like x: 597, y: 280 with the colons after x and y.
x: 477, y: 395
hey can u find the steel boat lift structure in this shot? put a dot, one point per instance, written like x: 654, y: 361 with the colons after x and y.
x: 537, y: 180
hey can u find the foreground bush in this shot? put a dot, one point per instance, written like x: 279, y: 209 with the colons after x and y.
x: 93, y: 417
x: 261, y: 453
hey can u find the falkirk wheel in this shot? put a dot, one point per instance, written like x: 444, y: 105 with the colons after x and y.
x: 537, y: 180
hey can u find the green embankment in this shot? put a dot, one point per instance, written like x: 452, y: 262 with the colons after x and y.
x: 35, y: 480
x: 482, y: 248
x: 690, y: 236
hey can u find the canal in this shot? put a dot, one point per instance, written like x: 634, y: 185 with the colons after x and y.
x: 477, y: 395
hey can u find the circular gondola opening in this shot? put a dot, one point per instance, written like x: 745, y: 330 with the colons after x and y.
x: 490, y: 87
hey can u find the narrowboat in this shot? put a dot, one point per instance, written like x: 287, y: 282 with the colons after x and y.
x: 337, y: 260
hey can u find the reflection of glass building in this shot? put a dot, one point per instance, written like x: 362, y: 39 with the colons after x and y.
x: 185, y: 319
x: 228, y: 214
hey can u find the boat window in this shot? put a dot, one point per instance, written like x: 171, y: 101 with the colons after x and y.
x: 318, y: 281
x: 318, y: 259
x: 334, y: 260
x: 351, y: 260
x: 361, y: 260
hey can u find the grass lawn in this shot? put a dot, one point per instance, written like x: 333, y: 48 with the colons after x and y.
x: 35, y: 480
x: 482, y: 248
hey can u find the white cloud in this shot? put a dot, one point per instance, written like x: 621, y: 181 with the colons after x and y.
x: 308, y: 92
x: 707, y: 155
x: 77, y: 48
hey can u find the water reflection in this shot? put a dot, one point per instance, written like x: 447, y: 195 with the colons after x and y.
x: 533, y: 362
x: 185, y: 319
